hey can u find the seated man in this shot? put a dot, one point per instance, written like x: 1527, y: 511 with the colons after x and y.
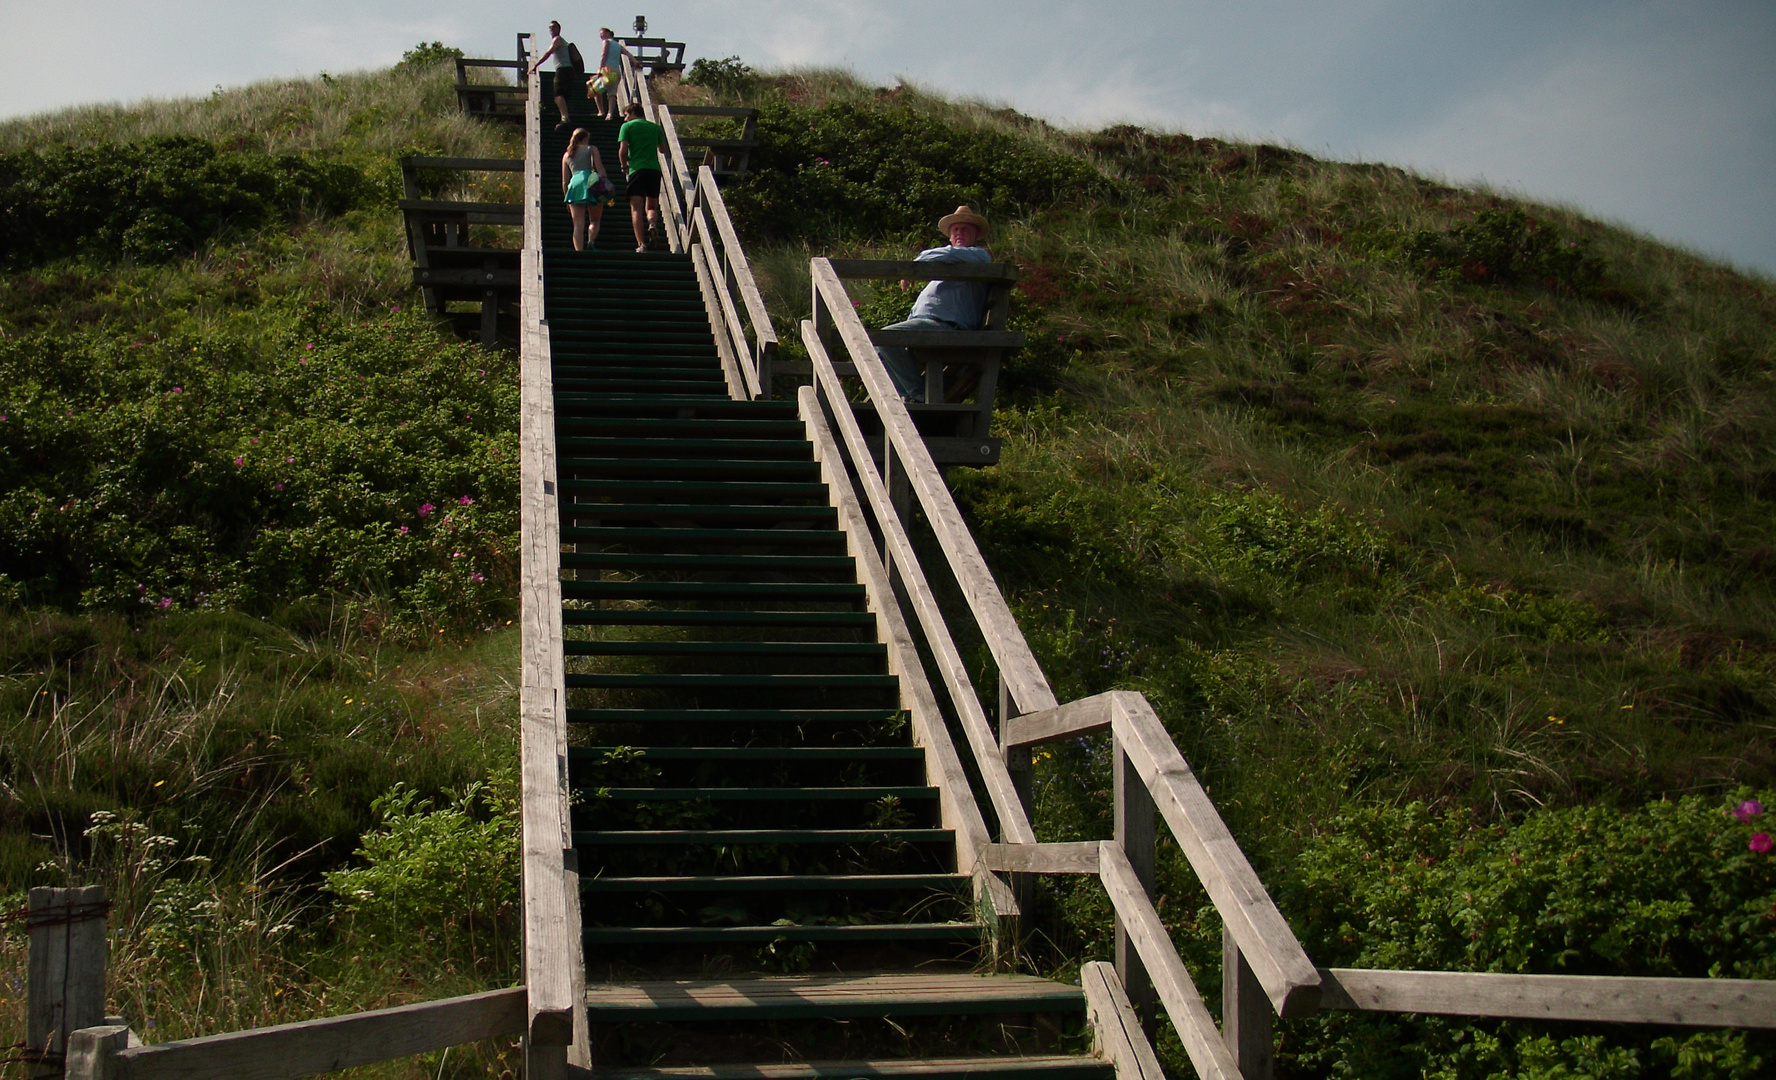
x: 942, y: 305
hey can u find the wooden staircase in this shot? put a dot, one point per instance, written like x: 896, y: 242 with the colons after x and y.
x: 748, y: 804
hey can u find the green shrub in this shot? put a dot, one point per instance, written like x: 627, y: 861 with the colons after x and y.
x: 425, y: 55
x: 725, y: 76
x: 441, y: 881
x: 221, y: 471
x: 1671, y: 889
x: 845, y: 170
x: 155, y: 200
x: 1507, y: 247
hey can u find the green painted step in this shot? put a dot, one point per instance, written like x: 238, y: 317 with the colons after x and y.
x: 841, y: 998
x: 733, y: 837
x: 1023, y: 1067
x: 612, y: 560
x: 647, y: 441
x: 703, y: 511
x: 754, y: 753
x: 775, y: 883
x: 767, y: 794
x: 692, y: 682
x: 731, y: 716
x: 655, y: 539
x: 785, y: 649
x: 831, y: 619
x: 807, y: 471
x: 826, y: 591
x: 709, y: 935
x: 734, y: 490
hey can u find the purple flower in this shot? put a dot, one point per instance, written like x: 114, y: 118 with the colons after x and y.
x: 289, y: 461
x: 167, y: 602
x: 466, y: 501
x: 1747, y: 810
x: 310, y: 345
x: 242, y: 460
x: 178, y: 389
x: 404, y: 530
x: 476, y: 578
x: 396, y: 309
x: 279, y: 486
x: 425, y: 509
x: 1760, y: 843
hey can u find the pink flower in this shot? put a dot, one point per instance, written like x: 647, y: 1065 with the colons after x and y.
x: 178, y: 389
x: 279, y: 486
x: 396, y: 309
x: 456, y: 554
x: 425, y: 509
x: 303, y: 361
x: 242, y: 460
x: 167, y: 602
x: 289, y: 461
x: 3, y: 418
x: 476, y: 578
x: 310, y: 345
x: 466, y: 501
x: 404, y: 530
x: 252, y: 442
x: 1748, y: 809
x: 1760, y: 843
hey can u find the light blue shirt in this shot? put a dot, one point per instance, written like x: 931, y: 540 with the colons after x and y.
x: 962, y: 304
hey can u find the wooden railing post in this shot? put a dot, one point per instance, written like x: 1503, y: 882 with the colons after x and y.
x: 1134, y: 833
x: 1019, y: 762
x: 66, y: 983
x: 1247, y: 1023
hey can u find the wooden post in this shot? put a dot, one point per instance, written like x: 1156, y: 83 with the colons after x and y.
x: 92, y: 1052
x: 66, y: 990
x: 1134, y: 832
x: 1018, y: 760
x: 1247, y: 1024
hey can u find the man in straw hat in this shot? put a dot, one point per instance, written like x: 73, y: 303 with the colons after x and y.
x: 942, y: 305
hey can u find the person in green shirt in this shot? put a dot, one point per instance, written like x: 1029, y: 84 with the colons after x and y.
x: 638, y: 150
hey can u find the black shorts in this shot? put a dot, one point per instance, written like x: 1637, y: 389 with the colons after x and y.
x: 569, y: 82
x: 644, y: 184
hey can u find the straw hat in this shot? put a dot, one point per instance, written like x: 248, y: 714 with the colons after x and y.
x: 963, y: 216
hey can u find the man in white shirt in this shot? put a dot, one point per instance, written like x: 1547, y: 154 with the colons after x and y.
x: 942, y: 305
x: 567, y: 77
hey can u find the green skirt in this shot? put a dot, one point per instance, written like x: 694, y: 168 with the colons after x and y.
x: 579, y: 186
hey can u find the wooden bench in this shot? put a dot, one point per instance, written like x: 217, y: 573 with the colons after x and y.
x: 491, y: 101
x: 725, y: 157
x: 961, y: 367
x: 447, y: 265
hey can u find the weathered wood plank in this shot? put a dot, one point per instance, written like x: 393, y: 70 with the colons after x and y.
x: 1132, y: 813
x: 1014, y: 824
x: 942, y: 764
x: 65, y: 968
x: 507, y: 213
x: 1116, y: 1030
x: 1077, y: 858
x: 92, y: 1052
x: 733, y: 371
x: 1062, y: 722
x: 756, y: 311
x: 312, y: 1047
x: 551, y: 936
x: 1017, y: 664
x: 1183, y: 1003
x: 1735, y: 1003
x: 1277, y: 959
x: 1247, y: 1025
x: 923, y: 271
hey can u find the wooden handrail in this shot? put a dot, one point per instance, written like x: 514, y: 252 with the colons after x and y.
x: 764, y: 336
x: 683, y: 181
x: 1171, y: 980
x: 1739, y: 1003
x: 956, y: 800
x: 1014, y: 824
x: 553, y: 964
x: 307, y: 1048
x: 1018, y: 670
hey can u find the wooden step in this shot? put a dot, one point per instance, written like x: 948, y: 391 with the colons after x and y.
x: 775, y: 883
x: 729, y: 935
x: 835, y: 997
x: 1046, y: 1067
x: 732, y: 837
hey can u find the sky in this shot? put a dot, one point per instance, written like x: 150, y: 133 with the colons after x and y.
x: 1657, y: 115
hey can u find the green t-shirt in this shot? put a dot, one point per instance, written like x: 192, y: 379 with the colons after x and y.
x: 644, y: 138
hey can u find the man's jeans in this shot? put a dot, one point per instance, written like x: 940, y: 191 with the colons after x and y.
x: 908, y: 379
